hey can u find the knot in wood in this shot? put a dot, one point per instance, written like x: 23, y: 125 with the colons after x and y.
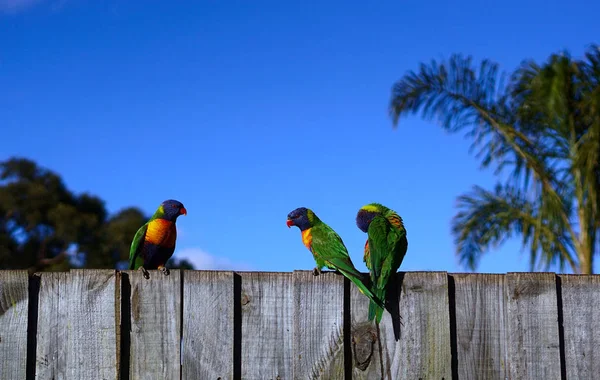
x: 245, y: 299
x: 364, y: 338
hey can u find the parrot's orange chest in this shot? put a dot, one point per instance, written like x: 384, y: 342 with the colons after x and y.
x: 307, y: 238
x: 161, y: 232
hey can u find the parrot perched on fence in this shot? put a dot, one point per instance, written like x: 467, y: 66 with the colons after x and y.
x: 384, y: 250
x: 154, y: 243
x: 327, y: 248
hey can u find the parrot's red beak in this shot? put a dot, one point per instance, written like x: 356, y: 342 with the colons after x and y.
x: 183, y: 211
x: 289, y: 223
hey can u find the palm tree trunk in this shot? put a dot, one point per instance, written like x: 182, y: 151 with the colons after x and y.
x: 585, y: 262
x: 585, y: 246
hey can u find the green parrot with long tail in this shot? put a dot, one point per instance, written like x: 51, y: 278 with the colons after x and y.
x: 154, y: 242
x: 327, y: 248
x: 384, y: 250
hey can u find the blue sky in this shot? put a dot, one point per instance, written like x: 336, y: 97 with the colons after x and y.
x: 245, y: 110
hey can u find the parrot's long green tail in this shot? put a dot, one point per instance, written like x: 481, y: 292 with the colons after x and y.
x: 363, y: 289
x: 376, y: 310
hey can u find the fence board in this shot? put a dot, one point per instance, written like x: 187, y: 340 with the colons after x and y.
x: 318, y: 325
x: 51, y: 327
x: 532, y: 315
x: 267, y: 325
x: 155, y: 325
x: 79, y: 325
x: 14, y: 303
x: 365, y: 348
x: 480, y: 326
x: 425, y: 343
x: 208, y: 325
x: 581, y: 318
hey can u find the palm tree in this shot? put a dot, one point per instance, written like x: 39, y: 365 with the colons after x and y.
x: 542, y: 130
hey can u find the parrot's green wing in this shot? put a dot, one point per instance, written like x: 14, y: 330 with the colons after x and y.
x: 135, y: 260
x: 328, y: 245
x: 387, y: 247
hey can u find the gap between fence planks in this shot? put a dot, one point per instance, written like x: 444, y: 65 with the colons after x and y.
x: 255, y: 325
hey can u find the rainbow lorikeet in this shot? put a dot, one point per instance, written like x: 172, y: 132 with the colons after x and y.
x: 327, y: 248
x: 384, y: 250
x: 154, y: 243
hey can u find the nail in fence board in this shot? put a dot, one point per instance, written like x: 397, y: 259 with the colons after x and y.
x: 155, y: 325
x: 78, y: 325
x: 207, y: 325
x: 532, y: 316
x: 480, y: 302
x: 318, y: 325
x: 581, y: 321
x: 267, y: 325
x: 14, y: 304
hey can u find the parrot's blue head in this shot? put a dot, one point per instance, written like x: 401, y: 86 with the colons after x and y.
x: 302, y: 217
x: 365, y: 216
x: 171, y: 209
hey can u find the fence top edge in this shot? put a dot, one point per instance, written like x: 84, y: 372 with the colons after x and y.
x: 299, y: 271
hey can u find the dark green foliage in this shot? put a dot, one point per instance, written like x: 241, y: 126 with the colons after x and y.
x: 45, y: 226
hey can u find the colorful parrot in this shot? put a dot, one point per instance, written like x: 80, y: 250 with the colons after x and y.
x: 327, y: 248
x: 154, y: 243
x: 384, y: 250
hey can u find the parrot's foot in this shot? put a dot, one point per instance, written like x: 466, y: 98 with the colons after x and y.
x: 144, y: 272
x: 164, y: 270
x: 316, y: 271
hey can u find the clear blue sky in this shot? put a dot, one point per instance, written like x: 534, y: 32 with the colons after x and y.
x: 245, y: 110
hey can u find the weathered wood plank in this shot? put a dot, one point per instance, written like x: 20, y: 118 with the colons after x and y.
x: 364, y: 345
x: 155, y: 325
x: 14, y: 304
x: 208, y: 325
x: 267, y: 325
x: 79, y: 325
x: 51, y: 327
x: 581, y: 322
x: 318, y: 325
x: 423, y: 351
x: 532, y: 316
x: 480, y: 302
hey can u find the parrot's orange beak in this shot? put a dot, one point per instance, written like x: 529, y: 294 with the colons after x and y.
x: 289, y: 223
x: 183, y: 211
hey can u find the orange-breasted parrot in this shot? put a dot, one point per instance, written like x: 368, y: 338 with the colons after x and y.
x: 384, y: 250
x: 327, y: 248
x: 154, y: 243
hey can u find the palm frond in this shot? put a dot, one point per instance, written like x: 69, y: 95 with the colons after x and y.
x: 486, y: 219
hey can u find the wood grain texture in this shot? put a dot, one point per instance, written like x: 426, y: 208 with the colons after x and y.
x: 532, y: 316
x: 208, y: 325
x: 581, y: 322
x: 425, y: 350
x: 155, y: 325
x: 318, y: 325
x: 480, y: 302
x: 14, y: 304
x: 51, y: 327
x: 78, y: 325
x: 267, y: 325
x: 365, y: 348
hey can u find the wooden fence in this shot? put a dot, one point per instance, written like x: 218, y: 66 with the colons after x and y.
x: 104, y: 324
